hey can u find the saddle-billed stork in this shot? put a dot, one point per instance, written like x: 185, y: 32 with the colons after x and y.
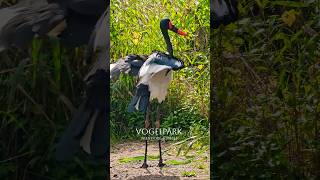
x: 155, y: 74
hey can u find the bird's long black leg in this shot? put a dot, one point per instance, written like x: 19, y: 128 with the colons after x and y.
x: 161, y: 164
x: 147, y: 126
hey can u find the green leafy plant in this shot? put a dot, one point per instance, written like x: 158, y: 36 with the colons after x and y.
x: 189, y: 174
x: 266, y: 92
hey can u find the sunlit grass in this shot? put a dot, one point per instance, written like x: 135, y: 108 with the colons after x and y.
x: 137, y: 159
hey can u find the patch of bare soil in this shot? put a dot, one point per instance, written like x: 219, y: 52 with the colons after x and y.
x: 195, y: 168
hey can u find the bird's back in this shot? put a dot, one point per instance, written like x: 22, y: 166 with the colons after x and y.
x: 157, y: 62
x: 156, y: 72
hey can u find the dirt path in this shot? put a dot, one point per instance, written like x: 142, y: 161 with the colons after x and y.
x: 126, y: 159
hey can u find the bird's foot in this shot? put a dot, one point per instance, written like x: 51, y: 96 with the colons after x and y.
x: 161, y: 164
x: 144, y: 165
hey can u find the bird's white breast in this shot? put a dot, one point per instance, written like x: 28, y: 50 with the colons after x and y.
x: 159, y: 84
x: 158, y: 78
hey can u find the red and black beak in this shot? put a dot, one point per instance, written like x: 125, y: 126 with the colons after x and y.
x: 176, y: 30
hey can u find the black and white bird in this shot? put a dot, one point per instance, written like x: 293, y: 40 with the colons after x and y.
x: 222, y: 12
x: 74, y: 23
x: 155, y: 74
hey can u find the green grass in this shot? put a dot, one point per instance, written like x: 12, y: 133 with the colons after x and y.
x: 188, y: 174
x: 201, y: 166
x: 177, y: 162
x: 137, y: 158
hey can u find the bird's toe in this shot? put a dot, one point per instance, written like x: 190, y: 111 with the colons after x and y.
x: 144, y: 165
x: 161, y: 164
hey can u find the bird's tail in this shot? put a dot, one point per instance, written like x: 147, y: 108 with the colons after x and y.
x: 140, y: 100
x: 89, y: 127
x: 20, y: 23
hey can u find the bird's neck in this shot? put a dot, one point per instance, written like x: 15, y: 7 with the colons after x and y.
x: 168, y: 42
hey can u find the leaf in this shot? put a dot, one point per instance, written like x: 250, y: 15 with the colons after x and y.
x: 285, y: 39
x: 289, y: 17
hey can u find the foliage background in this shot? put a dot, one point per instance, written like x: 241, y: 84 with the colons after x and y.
x: 135, y: 30
x: 266, y: 102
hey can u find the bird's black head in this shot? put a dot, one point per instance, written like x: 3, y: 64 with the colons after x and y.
x: 164, y: 24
